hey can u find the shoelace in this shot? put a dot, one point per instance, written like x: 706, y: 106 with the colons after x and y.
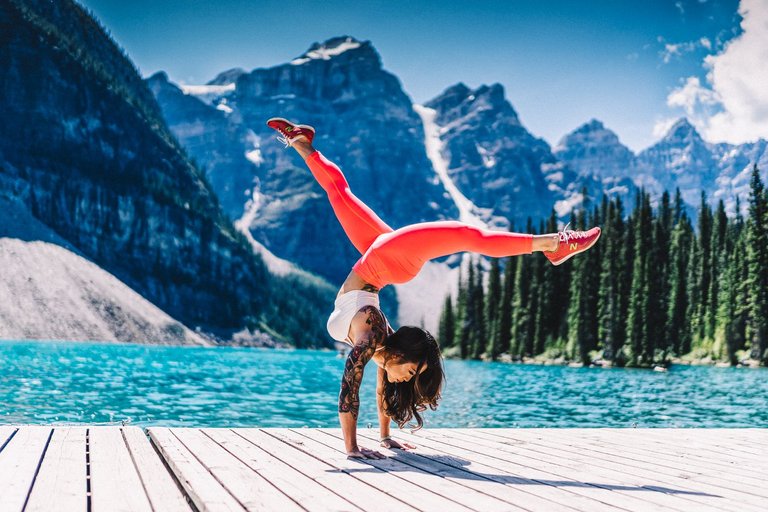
x: 284, y: 140
x: 569, y: 234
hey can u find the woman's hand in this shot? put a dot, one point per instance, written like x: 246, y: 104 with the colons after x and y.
x: 394, y: 445
x: 364, y: 453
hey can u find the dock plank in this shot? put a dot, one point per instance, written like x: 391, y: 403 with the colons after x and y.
x: 247, y: 483
x: 46, y: 468
x: 304, y: 491
x: 683, y: 477
x: 19, y: 462
x: 537, y: 470
x: 674, y: 453
x: 163, y: 492
x: 479, y: 477
x: 427, y: 479
x: 676, y: 491
x: 366, y: 472
x: 314, y: 467
x: 6, y: 431
x: 205, y: 491
x: 115, y: 482
x: 61, y: 484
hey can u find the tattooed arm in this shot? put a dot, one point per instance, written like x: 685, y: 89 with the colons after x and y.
x: 369, y: 327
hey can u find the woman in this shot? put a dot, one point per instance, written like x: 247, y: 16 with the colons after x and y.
x: 410, y: 371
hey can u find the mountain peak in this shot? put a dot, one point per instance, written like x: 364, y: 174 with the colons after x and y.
x: 227, y: 77
x: 681, y: 129
x: 331, y: 48
x: 593, y: 125
x: 160, y: 76
x: 484, y: 98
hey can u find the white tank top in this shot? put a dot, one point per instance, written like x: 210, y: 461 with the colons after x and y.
x: 346, y: 307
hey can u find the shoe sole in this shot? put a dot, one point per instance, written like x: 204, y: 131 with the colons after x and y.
x: 290, y: 122
x: 560, y: 262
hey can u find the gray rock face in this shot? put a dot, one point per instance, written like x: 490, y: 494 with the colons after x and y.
x: 493, y: 159
x: 84, y: 146
x: 365, y: 123
x: 680, y: 159
x: 592, y: 149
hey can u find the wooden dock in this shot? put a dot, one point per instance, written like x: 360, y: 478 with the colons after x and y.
x: 96, y: 468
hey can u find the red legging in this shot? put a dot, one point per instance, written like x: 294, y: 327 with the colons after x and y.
x: 396, y: 256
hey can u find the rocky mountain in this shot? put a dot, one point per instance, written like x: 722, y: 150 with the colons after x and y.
x: 365, y: 123
x: 51, y: 291
x: 85, y: 149
x: 464, y: 154
x: 506, y: 172
x: 681, y: 159
x: 594, y: 149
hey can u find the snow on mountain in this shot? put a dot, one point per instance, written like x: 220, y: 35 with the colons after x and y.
x: 421, y: 299
x: 365, y: 123
x: 502, y: 169
x: 275, y: 264
x: 681, y: 158
x: 325, y: 51
x: 435, y: 147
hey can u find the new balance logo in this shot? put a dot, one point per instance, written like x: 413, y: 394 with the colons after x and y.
x: 573, y: 247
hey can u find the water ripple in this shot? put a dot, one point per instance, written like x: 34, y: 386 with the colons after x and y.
x: 58, y: 382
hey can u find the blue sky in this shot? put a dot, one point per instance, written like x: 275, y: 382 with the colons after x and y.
x: 562, y: 62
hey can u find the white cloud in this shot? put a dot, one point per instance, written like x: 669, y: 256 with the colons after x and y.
x: 672, y: 50
x: 733, y: 104
x: 695, y: 99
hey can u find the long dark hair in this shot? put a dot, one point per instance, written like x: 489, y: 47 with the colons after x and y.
x: 404, y: 401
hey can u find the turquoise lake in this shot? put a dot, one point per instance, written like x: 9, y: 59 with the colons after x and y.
x: 58, y: 382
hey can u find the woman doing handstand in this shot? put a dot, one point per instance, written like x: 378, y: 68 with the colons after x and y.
x: 410, y: 370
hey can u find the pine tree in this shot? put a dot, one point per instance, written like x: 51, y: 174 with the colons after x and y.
x: 521, y: 324
x: 678, y: 331
x: 718, y: 271
x: 579, y: 339
x: 477, y: 340
x: 637, y: 324
x: 492, y: 300
x: 447, y: 327
x: 704, y: 274
x: 735, y: 306
x: 658, y: 290
x: 693, y: 289
x: 757, y: 267
x: 505, y: 309
x: 462, y: 303
x: 611, y: 325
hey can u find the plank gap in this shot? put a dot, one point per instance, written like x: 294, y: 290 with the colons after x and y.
x: 176, y: 481
x: 37, y: 470
x: 87, y: 470
x: 249, y: 467
x: 136, y: 466
x: 323, y: 461
x: 171, y: 432
x: 8, y: 440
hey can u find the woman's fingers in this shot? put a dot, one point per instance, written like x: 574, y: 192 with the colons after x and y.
x: 372, y: 454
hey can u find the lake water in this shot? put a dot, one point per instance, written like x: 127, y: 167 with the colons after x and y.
x: 57, y: 382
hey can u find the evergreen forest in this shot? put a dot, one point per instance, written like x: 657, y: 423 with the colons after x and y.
x: 652, y: 290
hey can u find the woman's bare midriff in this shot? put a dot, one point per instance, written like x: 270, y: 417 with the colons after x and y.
x: 355, y: 282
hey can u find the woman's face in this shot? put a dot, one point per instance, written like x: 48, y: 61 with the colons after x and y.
x: 399, y: 371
